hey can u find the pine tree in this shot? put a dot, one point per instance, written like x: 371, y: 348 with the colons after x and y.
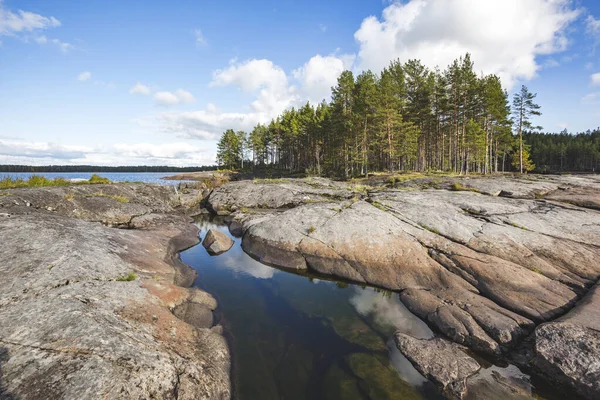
x: 523, y: 109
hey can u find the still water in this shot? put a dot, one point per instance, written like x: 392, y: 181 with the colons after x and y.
x: 302, y: 337
x: 146, y: 177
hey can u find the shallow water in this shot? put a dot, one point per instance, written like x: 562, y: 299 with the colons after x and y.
x: 302, y: 337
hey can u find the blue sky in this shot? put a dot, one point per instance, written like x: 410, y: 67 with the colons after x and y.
x: 155, y: 82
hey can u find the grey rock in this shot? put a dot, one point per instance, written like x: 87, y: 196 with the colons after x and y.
x: 481, y: 268
x: 216, y: 242
x: 443, y: 362
x: 279, y: 194
x: 568, y: 349
x: 72, y: 329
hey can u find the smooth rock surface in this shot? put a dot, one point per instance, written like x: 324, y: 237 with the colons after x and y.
x: 441, y: 361
x: 483, y: 262
x: 85, y: 308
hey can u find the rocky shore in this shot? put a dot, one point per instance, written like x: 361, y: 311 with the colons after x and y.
x: 89, y: 311
x: 507, y: 266
x: 95, y: 303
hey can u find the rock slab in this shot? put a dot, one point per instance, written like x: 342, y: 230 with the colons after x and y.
x: 216, y: 242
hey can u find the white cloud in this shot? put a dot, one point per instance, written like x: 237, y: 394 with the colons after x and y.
x: 319, y: 74
x: 592, y: 25
x: 138, y: 88
x: 162, y: 151
x: 185, y: 96
x: 12, y: 148
x: 250, y: 75
x: 207, y: 124
x: 438, y: 31
x: 591, y: 98
x: 47, y: 153
x: 23, y: 21
x: 62, y: 46
x: 166, y: 99
x: 200, y: 39
x: 171, y: 99
x: 84, y: 76
x: 589, y: 66
x: 595, y: 79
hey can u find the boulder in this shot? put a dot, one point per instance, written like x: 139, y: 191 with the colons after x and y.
x: 216, y: 242
x: 568, y: 350
x: 443, y: 362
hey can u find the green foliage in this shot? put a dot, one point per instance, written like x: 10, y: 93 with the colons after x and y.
x: 97, y: 179
x: 39, y: 181
x: 127, y: 278
x: 311, y: 229
x: 407, y: 118
x: 564, y: 151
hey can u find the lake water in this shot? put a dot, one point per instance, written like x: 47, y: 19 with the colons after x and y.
x: 146, y: 177
x: 304, y: 337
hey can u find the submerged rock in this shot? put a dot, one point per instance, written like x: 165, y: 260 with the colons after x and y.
x: 216, y: 242
x: 439, y: 360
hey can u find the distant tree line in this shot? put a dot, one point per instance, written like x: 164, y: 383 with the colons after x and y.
x: 406, y: 118
x: 556, y: 152
x: 95, y: 168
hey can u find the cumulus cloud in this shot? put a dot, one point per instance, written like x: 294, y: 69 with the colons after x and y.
x: 166, y: 99
x: 139, y: 88
x: 319, y: 74
x: 207, y: 124
x: 438, y: 31
x: 84, y: 76
x: 595, y: 79
x: 185, y: 96
x: 23, y: 21
x: 250, y: 75
x: 170, y: 99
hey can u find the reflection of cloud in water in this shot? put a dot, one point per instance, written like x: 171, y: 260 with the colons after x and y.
x: 240, y: 262
x: 389, y: 311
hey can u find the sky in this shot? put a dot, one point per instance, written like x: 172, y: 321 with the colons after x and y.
x: 113, y: 82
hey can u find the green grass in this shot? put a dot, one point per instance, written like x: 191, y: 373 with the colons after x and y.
x: 311, y: 229
x: 432, y: 230
x: 96, y: 179
x: 273, y: 180
x: 457, y: 187
x: 518, y: 226
x: 39, y: 181
x: 127, y: 278
x: 379, y: 205
x: 119, y: 198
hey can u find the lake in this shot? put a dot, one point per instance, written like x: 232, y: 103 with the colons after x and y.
x: 300, y: 336
x: 146, y: 177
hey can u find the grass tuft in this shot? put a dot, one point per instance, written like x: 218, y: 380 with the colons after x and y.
x: 127, y: 278
x: 39, y: 181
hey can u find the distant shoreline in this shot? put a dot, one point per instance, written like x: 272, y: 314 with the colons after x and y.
x: 93, y: 168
